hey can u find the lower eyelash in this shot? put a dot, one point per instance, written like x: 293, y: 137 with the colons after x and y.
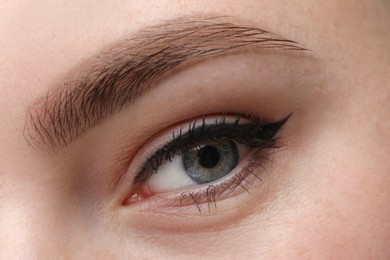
x: 243, y: 180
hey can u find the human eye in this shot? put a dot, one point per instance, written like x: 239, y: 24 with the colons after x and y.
x: 204, y: 161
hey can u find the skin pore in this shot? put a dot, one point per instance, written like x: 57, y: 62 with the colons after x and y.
x: 67, y: 170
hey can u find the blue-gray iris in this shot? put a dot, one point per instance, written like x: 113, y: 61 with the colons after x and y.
x: 211, y: 160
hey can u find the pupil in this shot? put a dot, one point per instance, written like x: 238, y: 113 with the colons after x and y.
x: 208, y: 157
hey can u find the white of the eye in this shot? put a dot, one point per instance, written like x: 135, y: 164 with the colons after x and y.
x: 170, y: 176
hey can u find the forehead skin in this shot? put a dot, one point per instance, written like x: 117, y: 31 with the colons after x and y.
x: 41, y: 41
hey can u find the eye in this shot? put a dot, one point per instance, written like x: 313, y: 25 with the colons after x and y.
x: 204, y: 163
x: 205, y: 153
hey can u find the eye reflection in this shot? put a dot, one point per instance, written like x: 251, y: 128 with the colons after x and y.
x: 211, y: 161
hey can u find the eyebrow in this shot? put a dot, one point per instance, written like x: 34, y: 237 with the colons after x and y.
x: 125, y: 71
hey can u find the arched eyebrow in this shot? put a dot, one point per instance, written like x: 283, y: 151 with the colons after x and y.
x: 120, y: 74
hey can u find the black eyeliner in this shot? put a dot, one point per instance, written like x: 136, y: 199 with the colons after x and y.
x: 254, y: 133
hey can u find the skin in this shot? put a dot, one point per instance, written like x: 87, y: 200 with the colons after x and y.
x: 325, y: 194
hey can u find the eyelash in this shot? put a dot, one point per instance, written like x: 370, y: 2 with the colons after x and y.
x: 254, y: 133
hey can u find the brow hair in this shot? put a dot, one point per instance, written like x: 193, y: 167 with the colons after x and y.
x: 128, y: 69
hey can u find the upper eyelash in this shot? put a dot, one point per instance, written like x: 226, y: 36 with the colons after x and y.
x: 255, y: 133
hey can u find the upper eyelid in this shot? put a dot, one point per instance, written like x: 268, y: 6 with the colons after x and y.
x: 67, y: 113
x: 169, y: 149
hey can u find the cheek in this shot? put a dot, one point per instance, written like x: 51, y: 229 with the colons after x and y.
x: 330, y: 197
x: 345, y: 214
x: 343, y: 201
x: 349, y: 219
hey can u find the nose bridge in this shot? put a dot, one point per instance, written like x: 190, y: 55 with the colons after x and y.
x: 20, y: 231
x: 26, y: 228
x: 34, y: 230
x: 29, y: 226
x: 36, y: 209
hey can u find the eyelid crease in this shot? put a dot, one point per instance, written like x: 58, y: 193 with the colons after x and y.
x: 128, y: 70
